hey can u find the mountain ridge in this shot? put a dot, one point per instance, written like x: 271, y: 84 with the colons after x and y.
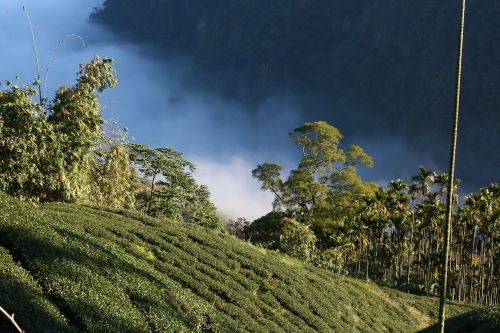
x: 376, y: 69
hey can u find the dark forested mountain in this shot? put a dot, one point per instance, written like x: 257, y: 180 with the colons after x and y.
x: 383, y: 66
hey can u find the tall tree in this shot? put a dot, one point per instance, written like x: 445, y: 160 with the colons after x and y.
x: 47, y: 154
x: 76, y: 117
x: 173, y: 192
x: 30, y: 154
x: 323, y: 190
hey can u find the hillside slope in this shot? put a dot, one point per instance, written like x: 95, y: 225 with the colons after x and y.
x: 67, y: 268
x: 484, y: 320
x: 371, y: 67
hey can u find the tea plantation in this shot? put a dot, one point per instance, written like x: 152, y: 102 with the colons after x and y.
x: 68, y: 268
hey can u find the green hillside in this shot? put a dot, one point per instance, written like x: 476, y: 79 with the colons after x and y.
x: 67, y: 268
x: 374, y: 67
x: 479, y: 321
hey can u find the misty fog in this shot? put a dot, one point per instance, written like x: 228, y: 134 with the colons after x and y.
x: 222, y: 137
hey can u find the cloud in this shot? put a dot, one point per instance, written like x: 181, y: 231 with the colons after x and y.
x: 233, y: 189
x: 226, y: 137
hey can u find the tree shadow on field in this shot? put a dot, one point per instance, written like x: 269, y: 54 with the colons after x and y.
x: 484, y: 320
x: 30, y: 312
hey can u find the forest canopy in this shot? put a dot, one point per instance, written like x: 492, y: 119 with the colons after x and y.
x: 325, y: 214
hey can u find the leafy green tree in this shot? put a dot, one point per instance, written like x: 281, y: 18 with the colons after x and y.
x: 160, y: 162
x: 115, y: 181
x: 323, y: 191
x: 331, y: 259
x: 76, y: 117
x: 269, y: 175
x: 197, y: 207
x: 324, y: 171
x: 266, y: 230
x: 173, y: 192
x: 424, y: 180
x: 237, y: 227
x: 297, y: 240
x: 30, y: 154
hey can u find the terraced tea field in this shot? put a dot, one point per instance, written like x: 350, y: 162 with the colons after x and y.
x: 68, y: 268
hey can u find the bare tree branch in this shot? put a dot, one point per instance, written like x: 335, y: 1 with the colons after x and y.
x: 11, y: 319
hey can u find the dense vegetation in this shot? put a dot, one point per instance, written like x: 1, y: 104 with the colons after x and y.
x: 70, y: 268
x: 81, y: 268
x: 64, y: 151
x: 326, y: 214
x: 389, y: 64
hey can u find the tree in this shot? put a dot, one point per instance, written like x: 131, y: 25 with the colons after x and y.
x: 237, y: 227
x: 324, y: 170
x: 266, y: 230
x: 48, y: 154
x: 297, y: 240
x: 424, y: 180
x: 30, y: 152
x: 388, y: 229
x: 323, y: 191
x: 173, y: 192
x: 115, y: 181
x: 63, y: 153
x: 76, y: 118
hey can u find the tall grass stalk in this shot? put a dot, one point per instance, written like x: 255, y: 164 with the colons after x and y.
x: 53, y: 55
x: 37, y: 58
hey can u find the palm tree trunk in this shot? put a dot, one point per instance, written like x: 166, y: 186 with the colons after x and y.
x: 451, y: 173
x: 471, y: 266
x: 358, y: 266
x: 490, y: 283
x: 409, y: 270
x: 367, y: 264
x: 481, y: 276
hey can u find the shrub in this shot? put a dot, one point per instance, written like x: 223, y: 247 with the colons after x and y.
x: 297, y: 240
x: 331, y: 259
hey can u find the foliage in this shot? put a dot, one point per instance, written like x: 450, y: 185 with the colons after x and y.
x: 479, y: 321
x: 266, y: 231
x: 47, y: 154
x: 297, y: 240
x: 324, y: 171
x: 173, y: 191
x: 30, y: 155
x: 402, y: 239
x: 330, y: 259
x: 76, y: 118
x: 237, y: 227
x: 20, y: 291
x: 321, y: 192
x: 115, y: 181
x: 390, y: 235
x: 113, y: 176
x: 62, y: 152
x: 109, y: 270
